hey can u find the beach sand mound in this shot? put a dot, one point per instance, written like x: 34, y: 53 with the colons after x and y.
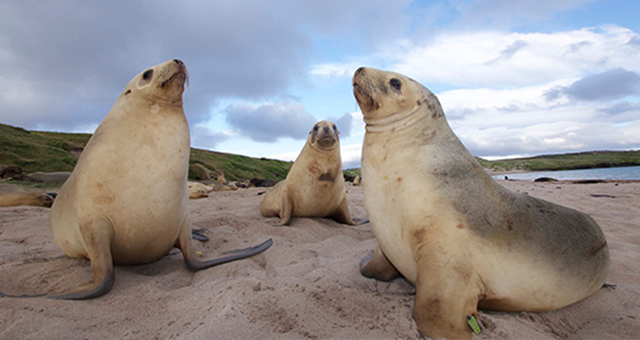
x: 307, y: 285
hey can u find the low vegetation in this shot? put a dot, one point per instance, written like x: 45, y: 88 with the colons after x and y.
x: 53, y: 151
x: 573, y: 161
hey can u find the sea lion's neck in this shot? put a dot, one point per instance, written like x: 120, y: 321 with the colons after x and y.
x: 395, y: 121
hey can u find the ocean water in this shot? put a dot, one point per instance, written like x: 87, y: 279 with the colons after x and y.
x: 621, y: 173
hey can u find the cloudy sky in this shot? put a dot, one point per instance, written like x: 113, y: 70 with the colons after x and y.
x: 515, y: 78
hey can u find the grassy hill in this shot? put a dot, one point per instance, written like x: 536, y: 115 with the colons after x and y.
x: 573, y: 161
x: 52, y: 151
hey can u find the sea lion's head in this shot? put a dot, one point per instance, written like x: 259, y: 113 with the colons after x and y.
x: 388, y: 98
x: 324, y: 136
x: 162, y: 83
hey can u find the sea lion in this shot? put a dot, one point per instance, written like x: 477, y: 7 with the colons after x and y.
x: 196, y: 192
x: 15, y: 195
x: 262, y: 183
x: 199, y: 171
x: 111, y: 210
x: 25, y: 198
x: 314, y: 187
x: 445, y: 225
x: 57, y: 177
x: 198, y: 187
x: 356, y: 180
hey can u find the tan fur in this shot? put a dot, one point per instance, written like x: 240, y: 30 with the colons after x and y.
x: 200, y: 171
x: 451, y: 230
x: 199, y: 186
x: 112, y: 209
x: 195, y: 193
x: 221, y: 178
x: 356, y: 180
x: 25, y: 198
x: 315, y: 185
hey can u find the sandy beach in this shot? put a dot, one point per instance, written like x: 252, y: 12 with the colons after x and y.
x: 307, y: 285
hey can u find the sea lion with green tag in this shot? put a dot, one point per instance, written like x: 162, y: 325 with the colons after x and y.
x: 445, y: 225
x: 314, y: 187
x: 126, y: 201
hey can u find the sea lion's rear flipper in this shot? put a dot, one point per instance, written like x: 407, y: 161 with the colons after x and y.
x: 195, y: 264
x: 98, y: 236
x: 377, y: 266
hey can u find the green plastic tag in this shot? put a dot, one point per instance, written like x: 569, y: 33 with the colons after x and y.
x: 473, y: 323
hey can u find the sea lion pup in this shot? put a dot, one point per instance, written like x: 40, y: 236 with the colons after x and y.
x: 444, y: 224
x: 314, y: 186
x: 111, y: 210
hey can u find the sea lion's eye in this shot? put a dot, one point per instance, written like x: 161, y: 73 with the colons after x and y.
x: 315, y: 128
x: 147, y: 74
x: 396, y: 84
x: 335, y: 128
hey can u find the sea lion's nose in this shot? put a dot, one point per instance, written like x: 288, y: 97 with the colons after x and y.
x: 178, y: 61
x: 326, y: 129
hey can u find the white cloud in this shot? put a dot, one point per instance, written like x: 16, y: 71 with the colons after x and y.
x: 496, y: 59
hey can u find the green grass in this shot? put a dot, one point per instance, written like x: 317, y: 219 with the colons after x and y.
x: 236, y: 167
x: 39, y: 151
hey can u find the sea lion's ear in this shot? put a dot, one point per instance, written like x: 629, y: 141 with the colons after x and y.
x: 314, y: 134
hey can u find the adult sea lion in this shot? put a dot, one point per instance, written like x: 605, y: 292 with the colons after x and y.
x: 314, y: 187
x: 444, y: 224
x: 111, y: 210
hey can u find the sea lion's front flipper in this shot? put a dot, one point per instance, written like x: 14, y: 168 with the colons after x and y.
x: 195, y: 264
x: 377, y: 266
x: 286, y: 208
x: 445, y: 295
x: 97, y: 236
x: 342, y: 214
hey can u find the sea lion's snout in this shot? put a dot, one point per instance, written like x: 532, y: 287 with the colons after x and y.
x: 365, y: 90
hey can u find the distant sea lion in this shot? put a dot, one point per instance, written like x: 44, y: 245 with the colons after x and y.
x: 356, y: 180
x: 11, y: 172
x: 15, y: 195
x: 112, y: 210
x: 314, y: 186
x: 200, y: 171
x: 25, y: 198
x: 444, y: 224
x: 197, y: 186
x: 196, y: 192
x: 261, y: 182
x: 50, y: 177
